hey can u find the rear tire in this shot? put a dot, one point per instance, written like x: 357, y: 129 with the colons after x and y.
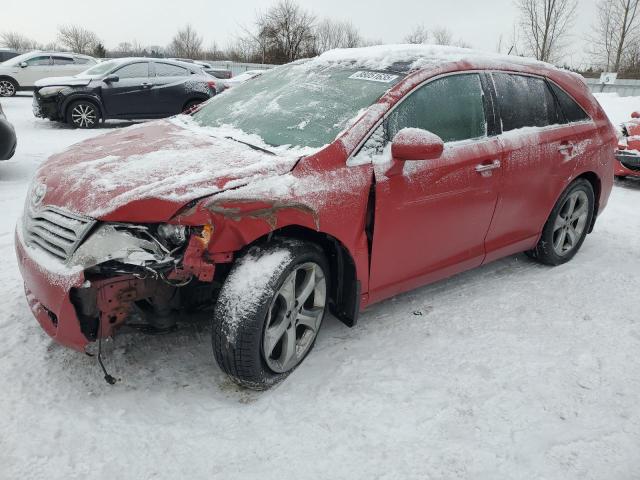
x: 8, y: 87
x: 191, y: 105
x: 269, y: 312
x: 83, y: 114
x: 567, y: 226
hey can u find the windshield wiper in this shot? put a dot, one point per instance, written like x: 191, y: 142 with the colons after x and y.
x: 254, y: 147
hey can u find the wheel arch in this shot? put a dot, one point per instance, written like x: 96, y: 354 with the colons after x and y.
x: 9, y: 77
x: 596, y: 184
x: 64, y: 109
x: 345, y: 289
x: 194, y: 98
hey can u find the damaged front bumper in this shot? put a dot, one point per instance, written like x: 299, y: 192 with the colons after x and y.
x: 97, y: 287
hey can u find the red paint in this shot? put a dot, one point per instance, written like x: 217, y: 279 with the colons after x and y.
x: 432, y: 219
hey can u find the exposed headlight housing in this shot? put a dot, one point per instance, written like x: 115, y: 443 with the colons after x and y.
x: 50, y: 91
x: 174, y: 234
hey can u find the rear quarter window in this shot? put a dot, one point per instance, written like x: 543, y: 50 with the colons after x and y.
x: 524, y: 101
x: 570, y: 108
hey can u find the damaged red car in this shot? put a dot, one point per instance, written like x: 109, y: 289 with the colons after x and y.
x: 322, y: 186
x: 628, y: 154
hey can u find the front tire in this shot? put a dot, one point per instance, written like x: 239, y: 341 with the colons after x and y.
x: 8, y: 87
x: 567, y: 226
x: 269, y: 312
x: 83, y: 114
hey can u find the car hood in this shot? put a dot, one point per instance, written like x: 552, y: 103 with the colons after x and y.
x: 63, y: 82
x: 147, y: 172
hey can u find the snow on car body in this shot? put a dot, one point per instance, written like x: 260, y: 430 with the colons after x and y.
x: 315, y: 186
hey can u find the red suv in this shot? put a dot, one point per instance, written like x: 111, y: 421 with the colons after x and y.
x: 323, y: 185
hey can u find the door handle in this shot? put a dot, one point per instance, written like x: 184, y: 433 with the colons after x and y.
x: 487, y: 167
x: 565, y: 147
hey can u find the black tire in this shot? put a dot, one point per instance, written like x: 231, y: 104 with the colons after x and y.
x: 621, y: 177
x: 75, y: 112
x: 190, y: 105
x: 8, y: 87
x: 546, y: 251
x: 247, y: 302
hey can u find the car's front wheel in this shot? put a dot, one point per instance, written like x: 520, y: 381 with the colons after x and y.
x: 8, y: 87
x: 83, y: 114
x: 567, y: 226
x: 269, y: 312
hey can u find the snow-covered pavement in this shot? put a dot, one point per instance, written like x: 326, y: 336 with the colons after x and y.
x: 513, y: 370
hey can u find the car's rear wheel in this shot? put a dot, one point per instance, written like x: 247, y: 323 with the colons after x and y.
x: 269, y: 312
x: 567, y: 226
x: 8, y: 87
x: 83, y: 114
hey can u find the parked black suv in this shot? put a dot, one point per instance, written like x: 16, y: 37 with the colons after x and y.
x: 129, y: 88
x: 7, y: 137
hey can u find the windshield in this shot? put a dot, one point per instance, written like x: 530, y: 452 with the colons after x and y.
x: 298, y: 104
x: 17, y: 60
x: 101, y: 68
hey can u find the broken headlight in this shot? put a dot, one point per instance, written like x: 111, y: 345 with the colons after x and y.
x: 175, y: 235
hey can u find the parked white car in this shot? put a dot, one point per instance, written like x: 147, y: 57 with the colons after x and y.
x: 23, y: 71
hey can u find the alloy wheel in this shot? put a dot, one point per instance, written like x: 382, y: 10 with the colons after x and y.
x: 7, y: 89
x: 84, y: 115
x: 570, y: 223
x: 294, y: 317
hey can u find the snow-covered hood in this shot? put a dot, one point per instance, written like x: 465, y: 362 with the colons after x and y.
x: 63, y: 82
x: 147, y: 172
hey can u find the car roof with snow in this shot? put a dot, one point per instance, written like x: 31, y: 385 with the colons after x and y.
x: 411, y: 57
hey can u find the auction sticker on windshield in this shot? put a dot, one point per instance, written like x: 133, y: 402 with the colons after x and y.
x: 374, y: 77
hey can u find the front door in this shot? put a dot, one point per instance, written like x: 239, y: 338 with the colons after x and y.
x: 36, y: 68
x: 130, y: 96
x: 431, y: 217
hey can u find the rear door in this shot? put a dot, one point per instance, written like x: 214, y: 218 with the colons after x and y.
x: 169, y: 89
x: 36, y: 68
x: 538, y: 153
x: 64, y: 65
x: 431, y: 217
x: 130, y: 96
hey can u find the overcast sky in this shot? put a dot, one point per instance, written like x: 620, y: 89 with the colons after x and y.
x: 153, y: 22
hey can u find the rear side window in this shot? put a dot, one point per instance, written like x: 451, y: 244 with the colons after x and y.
x: 135, y: 70
x: 451, y: 107
x: 571, y: 110
x: 81, y: 60
x: 62, y: 61
x: 167, y: 70
x: 524, y: 102
x: 38, y: 61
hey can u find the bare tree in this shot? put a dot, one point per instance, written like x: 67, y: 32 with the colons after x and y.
x: 287, y: 30
x: 616, y: 32
x: 419, y: 34
x: 186, y: 43
x: 330, y: 34
x: 442, y: 36
x: 545, y: 24
x: 17, y: 41
x: 77, y: 38
x: 214, y: 53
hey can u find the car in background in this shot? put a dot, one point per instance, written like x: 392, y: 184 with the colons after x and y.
x: 6, y: 54
x: 22, y: 72
x: 376, y: 170
x: 242, y: 78
x: 127, y: 88
x: 220, y: 73
x: 628, y: 153
x: 8, y: 140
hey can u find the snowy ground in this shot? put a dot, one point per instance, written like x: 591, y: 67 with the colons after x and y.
x: 513, y: 370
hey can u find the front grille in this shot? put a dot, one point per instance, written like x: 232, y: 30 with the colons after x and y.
x: 57, y: 231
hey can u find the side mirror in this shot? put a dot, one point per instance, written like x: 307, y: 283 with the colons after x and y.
x: 416, y: 144
x: 23, y: 65
x: 111, y: 78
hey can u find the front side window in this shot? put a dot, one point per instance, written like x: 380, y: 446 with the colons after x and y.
x: 571, y: 110
x: 451, y: 107
x: 167, y: 70
x: 135, y: 70
x: 524, y: 101
x: 39, y: 61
